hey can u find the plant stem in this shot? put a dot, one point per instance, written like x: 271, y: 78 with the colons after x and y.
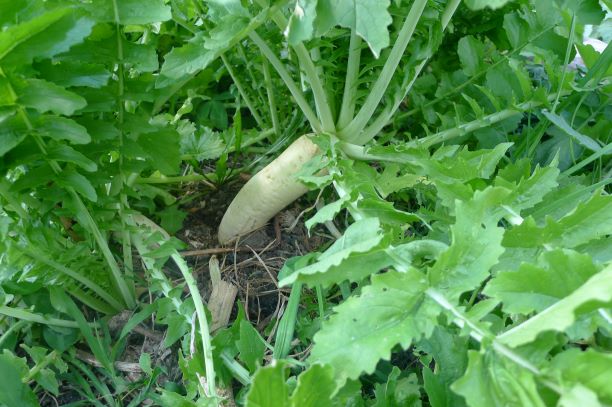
x: 357, y: 125
x: 568, y: 50
x: 347, y: 110
x: 242, y: 91
x: 50, y: 357
x: 286, y: 77
x: 271, y: 99
x: 128, y: 263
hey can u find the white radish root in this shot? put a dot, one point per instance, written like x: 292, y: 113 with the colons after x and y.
x: 269, y: 191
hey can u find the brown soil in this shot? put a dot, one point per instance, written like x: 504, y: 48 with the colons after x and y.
x: 251, y: 264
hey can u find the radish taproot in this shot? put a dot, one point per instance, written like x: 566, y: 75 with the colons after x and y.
x: 269, y: 191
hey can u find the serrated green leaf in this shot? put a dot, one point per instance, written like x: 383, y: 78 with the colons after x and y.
x: 43, y: 36
x: 69, y: 73
x: 535, y: 287
x: 172, y: 218
x: 588, y: 221
x: 360, y: 237
x: 301, y: 23
x: 488, y: 381
x: 364, y: 329
x: 132, y: 11
x: 369, y: 18
x: 328, y: 212
x: 589, y: 368
x: 61, y: 128
x: 47, y: 97
x: 481, y: 4
x: 187, y: 59
x: 475, y: 248
x: 593, y: 294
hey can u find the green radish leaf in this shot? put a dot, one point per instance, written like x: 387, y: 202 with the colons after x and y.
x: 589, y: 368
x: 145, y: 363
x: 594, y: 293
x: 47, y: 97
x: 471, y: 55
x: 269, y: 388
x: 534, y: 287
x: 476, y: 245
x: 302, y: 20
x: 43, y: 36
x: 398, y: 391
x: 250, y: 345
x: 9, y: 138
x: 364, y: 329
x: 360, y: 237
x: 68, y: 154
x: 132, y: 11
x: 481, y: 4
x: 60, y: 128
x: 578, y: 396
x: 162, y: 148
x: 69, y: 73
x: 328, y: 212
x: 72, y: 179
x: 489, y: 381
x: 369, y: 18
x: 172, y: 218
x: 590, y: 220
x: 13, y: 392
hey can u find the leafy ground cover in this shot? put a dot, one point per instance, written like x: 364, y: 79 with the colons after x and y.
x: 454, y: 246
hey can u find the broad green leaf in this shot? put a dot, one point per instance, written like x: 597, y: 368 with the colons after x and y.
x: 489, y: 381
x: 588, y: 221
x: 579, y: 395
x: 360, y: 237
x: 13, y: 392
x: 315, y: 387
x: 528, y: 190
x: 187, y: 59
x: 47, y: 97
x: 250, y: 345
x: 65, y: 153
x: 471, y: 55
x: 162, y: 148
x: 302, y: 20
x: 61, y: 128
x: 534, y: 287
x: 12, y: 132
x: 369, y: 18
x: 475, y: 248
x: 589, y: 368
x: 172, y: 218
x: 580, y: 138
x: 43, y: 36
x: 132, y: 11
x: 593, y: 294
x: 69, y: 73
x: 398, y: 391
x: 269, y: 388
x: 328, y: 212
x: 364, y: 329
x: 481, y: 4
x: 80, y: 184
